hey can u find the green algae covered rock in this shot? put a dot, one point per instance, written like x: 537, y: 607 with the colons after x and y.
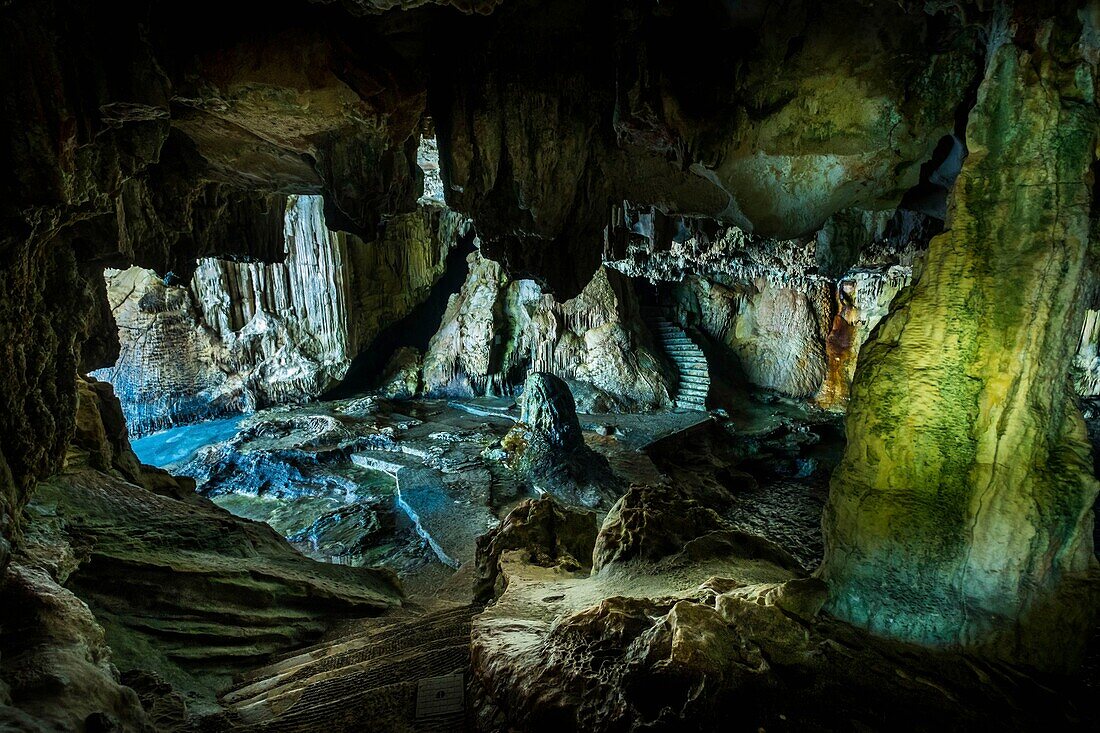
x: 961, y: 513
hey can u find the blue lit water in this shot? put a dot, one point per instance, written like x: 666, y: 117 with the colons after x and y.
x: 171, y: 448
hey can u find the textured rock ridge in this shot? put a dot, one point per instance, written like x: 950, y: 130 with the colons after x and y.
x: 497, y: 329
x: 180, y: 589
x: 961, y: 513
x: 241, y: 336
x: 773, y: 305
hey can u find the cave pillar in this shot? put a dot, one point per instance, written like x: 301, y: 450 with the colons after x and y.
x: 961, y: 514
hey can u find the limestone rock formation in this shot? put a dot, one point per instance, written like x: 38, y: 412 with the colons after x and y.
x: 806, y: 127
x: 961, y: 514
x: 546, y: 447
x: 56, y: 671
x: 242, y: 336
x: 650, y: 523
x: 401, y: 377
x: 791, y: 326
x: 99, y: 174
x: 1086, y: 362
x: 545, y: 532
x: 183, y: 589
x: 497, y: 329
x: 700, y: 641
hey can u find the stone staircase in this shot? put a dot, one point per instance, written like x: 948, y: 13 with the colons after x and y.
x: 693, y: 383
x: 368, y: 678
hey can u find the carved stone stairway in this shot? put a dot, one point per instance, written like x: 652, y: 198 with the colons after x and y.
x: 367, y: 680
x: 693, y: 375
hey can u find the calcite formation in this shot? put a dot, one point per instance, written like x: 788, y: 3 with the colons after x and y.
x: 961, y: 514
x: 792, y: 313
x: 546, y: 447
x: 779, y: 178
x: 547, y: 533
x: 805, y: 127
x: 496, y: 329
x: 242, y: 336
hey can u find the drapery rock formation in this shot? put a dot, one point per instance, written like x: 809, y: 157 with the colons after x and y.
x: 961, y: 514
x: 792, y: 313
x: 243, y: 336
x: 497, y: 329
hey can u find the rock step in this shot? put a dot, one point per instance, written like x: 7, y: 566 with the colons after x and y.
x: 371, y: 665
x: 693, y: 384
x: 359, y: 700
x: 363, y: 681
x: 692, y: 395
x: 381, y: 634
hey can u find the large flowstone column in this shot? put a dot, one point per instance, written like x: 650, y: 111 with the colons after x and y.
x: 961, y: 515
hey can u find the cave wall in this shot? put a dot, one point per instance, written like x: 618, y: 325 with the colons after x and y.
x: 774, y: 122
x: 142, y: 133
x: 791, y: 314
x: 961, y: 514
x: 242, y: 336
x: 497, y: 329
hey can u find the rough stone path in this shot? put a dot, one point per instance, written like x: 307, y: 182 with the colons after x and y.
x: 693, y: 382
x: 365, y: 679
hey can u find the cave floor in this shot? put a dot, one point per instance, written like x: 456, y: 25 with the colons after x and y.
x: 425, y: 470
x: 407, y: 484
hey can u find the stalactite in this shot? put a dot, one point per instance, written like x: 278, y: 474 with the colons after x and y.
x: 266, y: 334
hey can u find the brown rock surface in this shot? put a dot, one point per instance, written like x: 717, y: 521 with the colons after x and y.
x: 545, y: 533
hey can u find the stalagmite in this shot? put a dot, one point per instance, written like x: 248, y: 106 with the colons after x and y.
x: 961, y: 514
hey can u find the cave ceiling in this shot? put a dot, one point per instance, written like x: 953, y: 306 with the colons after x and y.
x: 770, y: 116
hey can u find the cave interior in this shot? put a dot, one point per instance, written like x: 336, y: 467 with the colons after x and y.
x: 506, y: 366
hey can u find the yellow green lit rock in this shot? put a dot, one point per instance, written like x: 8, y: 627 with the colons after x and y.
x: 961, y: 513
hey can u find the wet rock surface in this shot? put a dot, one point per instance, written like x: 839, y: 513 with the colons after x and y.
x: 243, y: 336
x: 546, y: 447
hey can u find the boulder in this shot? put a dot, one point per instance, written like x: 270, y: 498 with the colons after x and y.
x: 663, y: 523
x: 545, y: 533
x: 401, y: 377
x: 546, y: 447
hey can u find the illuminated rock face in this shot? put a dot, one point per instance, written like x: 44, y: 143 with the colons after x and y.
x: 793, y: 313
x: 496, y: 329
x: 961, y: 513
x: 246, y: 335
